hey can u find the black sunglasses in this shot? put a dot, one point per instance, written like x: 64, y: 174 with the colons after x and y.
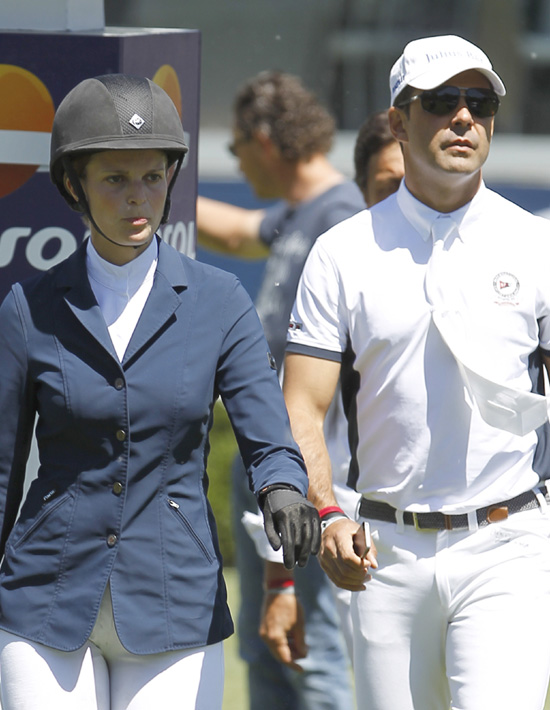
x: 481, y: 103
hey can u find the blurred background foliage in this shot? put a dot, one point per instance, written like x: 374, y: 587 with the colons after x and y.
x: 222, y: 452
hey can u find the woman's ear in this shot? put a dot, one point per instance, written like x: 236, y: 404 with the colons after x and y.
x: 68, y: 186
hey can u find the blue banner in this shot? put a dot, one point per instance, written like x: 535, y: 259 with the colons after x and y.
x: 37, y: 229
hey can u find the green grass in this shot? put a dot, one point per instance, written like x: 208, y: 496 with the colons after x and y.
x: 235, y: 695
x: 222, y: 452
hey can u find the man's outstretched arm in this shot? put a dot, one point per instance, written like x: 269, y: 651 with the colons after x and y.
x: 230, y: 229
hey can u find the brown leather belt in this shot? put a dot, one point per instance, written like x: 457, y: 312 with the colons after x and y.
x: 376, y: 510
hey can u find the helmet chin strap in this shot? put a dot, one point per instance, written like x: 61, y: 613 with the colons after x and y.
x: 83, y: 202
x: 118, y: 244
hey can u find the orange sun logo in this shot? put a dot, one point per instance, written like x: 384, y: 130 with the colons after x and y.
x: 167, y: 79
x: 26, y: 122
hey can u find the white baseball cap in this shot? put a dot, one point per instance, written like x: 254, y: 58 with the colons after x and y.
x: 429, y: 62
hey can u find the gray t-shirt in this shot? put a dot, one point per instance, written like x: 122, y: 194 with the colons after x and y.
x: 290, y: 231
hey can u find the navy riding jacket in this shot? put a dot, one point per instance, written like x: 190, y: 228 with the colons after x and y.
x: 121, y: 492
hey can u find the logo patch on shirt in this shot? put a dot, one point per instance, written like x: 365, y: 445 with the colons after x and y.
x: 506, y: 286
x: 293, y: 325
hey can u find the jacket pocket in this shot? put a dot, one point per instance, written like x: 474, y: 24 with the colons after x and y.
x: 17, y: 539
x: 190, y: 530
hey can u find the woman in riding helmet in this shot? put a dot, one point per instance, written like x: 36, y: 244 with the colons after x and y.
x: 111, y: 589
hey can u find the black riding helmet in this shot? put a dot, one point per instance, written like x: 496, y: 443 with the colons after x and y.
x: 113, y: 112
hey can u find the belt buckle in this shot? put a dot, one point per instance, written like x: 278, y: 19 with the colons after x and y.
x: 448, y: 523
x: 417, y: 524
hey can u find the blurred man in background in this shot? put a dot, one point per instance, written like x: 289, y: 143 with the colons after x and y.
x: 379, y: 169
x: 281, y: 137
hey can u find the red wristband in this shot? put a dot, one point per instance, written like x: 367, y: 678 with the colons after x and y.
x: 330, y: 509
x: 279, y: 583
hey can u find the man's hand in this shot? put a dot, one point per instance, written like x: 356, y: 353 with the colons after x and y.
x: 292, y: 521
x: 339, y: 559
x: 282, y: 628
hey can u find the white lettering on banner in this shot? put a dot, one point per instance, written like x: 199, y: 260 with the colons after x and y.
x: 34, y: 250
x: 8, y: 240
x: 181, y: 236
x: 35, y: 247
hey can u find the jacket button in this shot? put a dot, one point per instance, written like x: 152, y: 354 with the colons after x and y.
x: 117, y: 488
x: 120, y: 434
x: 119, y: 383
x: 112, y: 540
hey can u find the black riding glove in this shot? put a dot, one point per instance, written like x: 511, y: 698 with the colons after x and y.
x: 292, y: 521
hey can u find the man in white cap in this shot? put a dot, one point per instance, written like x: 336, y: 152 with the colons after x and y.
x: 433, y: 308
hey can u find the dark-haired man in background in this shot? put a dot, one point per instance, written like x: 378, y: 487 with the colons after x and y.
x: 378, y: 159
x: 281, y: 137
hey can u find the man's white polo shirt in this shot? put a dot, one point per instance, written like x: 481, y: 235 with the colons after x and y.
x: 418, y: 442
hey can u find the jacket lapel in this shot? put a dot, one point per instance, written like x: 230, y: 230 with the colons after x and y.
x: 163, y: 301
x: 79, y: 297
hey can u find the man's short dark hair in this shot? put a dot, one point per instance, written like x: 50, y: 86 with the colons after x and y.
x: 373, y: 135
x: 279, y: 105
